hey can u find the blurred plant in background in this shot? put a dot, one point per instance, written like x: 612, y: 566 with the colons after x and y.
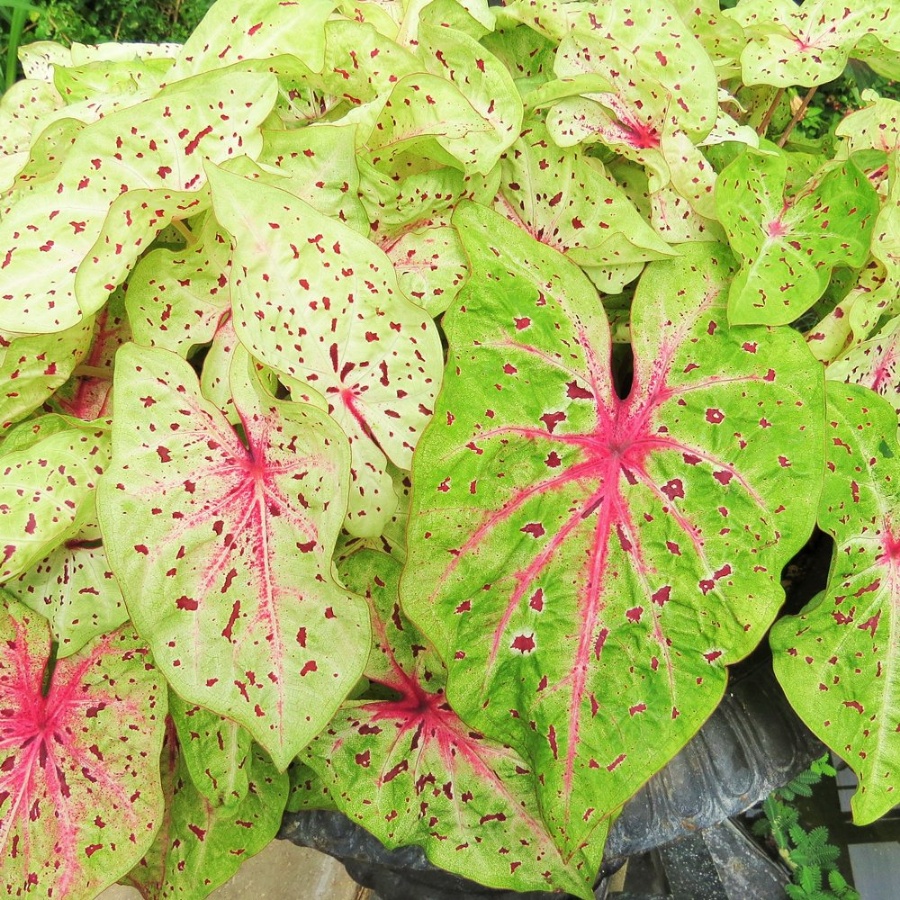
x: 93, y: 22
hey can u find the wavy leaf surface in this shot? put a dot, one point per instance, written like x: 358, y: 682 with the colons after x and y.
x: 835, y: 660
x: 80, y: 796
x: 317, y: 301
x: 52, y: 274
x: 223, y: 548
x: 587, y: 565
x: 789, y: 244
x: 430, y: 779
x: 49, y: 469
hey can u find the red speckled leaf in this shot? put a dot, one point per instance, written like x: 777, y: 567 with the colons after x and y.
x: 588, y: 565
x: 411, y: 772
x: 223, y: 547
x: 567, y: 201
x: 32, y: 367
x: 837, y: 660
x: 215, y: 751
x: 80, y: 796
x: 199, y: 845
x: 72, y: 238
x: 88, y: 394
x: 49, y: 469
x: 74, y: 589
x: 177, y: 298
x: 317, y: 301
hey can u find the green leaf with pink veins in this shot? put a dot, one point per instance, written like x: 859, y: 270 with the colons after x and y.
x: 567, y: 201
x: 88, y: 393
x: 215, y: 751
x: 551, y: 18
x: 164, y: 142
x: 235, y: 30
x: 788, y: 245
x: 836, y: 660
x: 873, y: 363
x: 49, y: 468
x: 317, y: 301
x: 534, y: 510
x: 74, y: 589
x: 411, y: 223
x: 805, y: 45
x: 32, y: 367
x: 223, y: 548
x: 80, y: 795
x: 412, y: 772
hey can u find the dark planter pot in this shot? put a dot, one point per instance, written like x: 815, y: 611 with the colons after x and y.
x: 753, y: 743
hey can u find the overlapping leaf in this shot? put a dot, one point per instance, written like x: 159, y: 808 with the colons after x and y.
x: 158, y: 146
x: 569, y: 203
x: 836, y: 660
x: 581, y: 561
x: 788, y: 245
x: 413, y: 773
x: 177, y: 298
x: 319, y: 302
x: 74, y: 589
x: 32, y: 367
x: 49, y: 469
x: 215, y: 751
x: 235, y: 30
x: 80, y: 796
x: 806, y: 44
x: 200, y: 846
x: 223, y: 548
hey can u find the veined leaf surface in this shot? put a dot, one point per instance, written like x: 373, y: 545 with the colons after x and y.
x: 223, y: 550
x: 317, y: 301
x: 836, y: 660
x: 412, y: 772
x: 80, y: 796
x: 588, y: 565
x: 788, y: 245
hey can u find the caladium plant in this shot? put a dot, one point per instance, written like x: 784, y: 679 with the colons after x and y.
x: 408, y: 408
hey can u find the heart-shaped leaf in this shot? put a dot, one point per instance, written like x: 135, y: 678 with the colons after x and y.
x: 412, y: 772
x: 788, y: 245
x: 223, y: 549
x: 199, y: 845
x: 49, y: 469
x: 80, y: 797
x: 805, y: 44
x: 580, y: 560
x: 835, y: 660
x: 319, y: 302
